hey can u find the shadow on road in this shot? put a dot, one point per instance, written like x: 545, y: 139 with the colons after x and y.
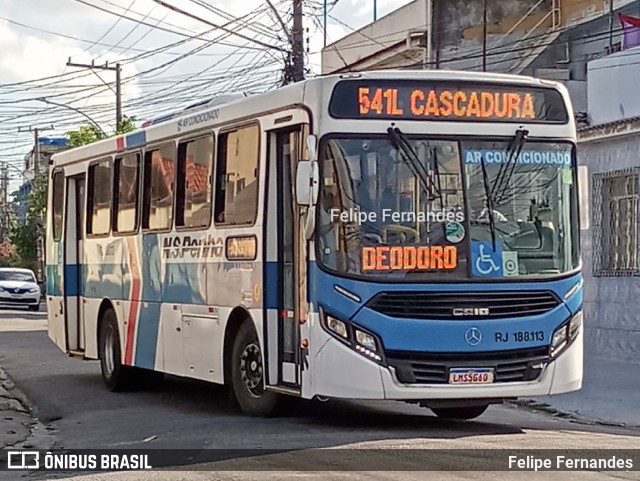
x: 70, y: 397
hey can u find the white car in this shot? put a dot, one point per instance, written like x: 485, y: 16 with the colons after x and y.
x: 19, y: 287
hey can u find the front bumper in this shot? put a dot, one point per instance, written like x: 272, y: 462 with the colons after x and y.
x: 28, y: 299
x: 340, y: 372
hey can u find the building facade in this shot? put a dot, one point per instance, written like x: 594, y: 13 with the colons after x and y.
x: 47, y: 146
x: 610, y: 240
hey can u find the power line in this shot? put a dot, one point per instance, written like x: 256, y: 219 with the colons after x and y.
x: 220, y: 27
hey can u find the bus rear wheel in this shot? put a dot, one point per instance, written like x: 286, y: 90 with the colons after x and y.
x: 116, y: 376
x: 247, y: 375
x: 466, y: 412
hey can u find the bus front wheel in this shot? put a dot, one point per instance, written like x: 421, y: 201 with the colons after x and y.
x: 466, y: 412
x: 247, y: 375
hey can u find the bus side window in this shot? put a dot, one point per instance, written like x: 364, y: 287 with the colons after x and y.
x: 58, y: 205
x: 237, y: 177
x: 100, y: 194
x: 159, y: 169
x: 127, y: 174
x: 195, y: 161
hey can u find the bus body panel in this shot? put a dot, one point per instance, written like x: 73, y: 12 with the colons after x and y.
x: 342, y: 373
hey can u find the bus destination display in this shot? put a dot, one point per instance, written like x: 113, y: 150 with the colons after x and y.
x: 437, y: 101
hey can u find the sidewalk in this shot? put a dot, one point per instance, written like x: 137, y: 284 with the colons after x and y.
x: 19, y: 428
x: 610, y: 393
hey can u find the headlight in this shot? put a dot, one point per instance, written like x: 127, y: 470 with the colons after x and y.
x: 365, y: 339
x: 1, y: 289
x: 34, y: 289
x: 559, y: 340
x: 337, y: 327
x: 565, y: 335
x: 575, y: 325
x: 358, y: 339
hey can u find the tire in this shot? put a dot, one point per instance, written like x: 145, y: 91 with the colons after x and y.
x: 247, y: 389
x: 116, y: 376
x: 467, y: 412
x: 34, y: 308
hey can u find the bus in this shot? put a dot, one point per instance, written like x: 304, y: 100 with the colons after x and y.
x: 392, y: 235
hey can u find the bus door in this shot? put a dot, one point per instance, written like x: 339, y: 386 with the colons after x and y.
x: 73, y: 260
x: 285, y: 283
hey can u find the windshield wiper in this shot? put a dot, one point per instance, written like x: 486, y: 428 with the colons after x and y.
x: 489, y: 203
x: 410, y: 157
x: 501, y: 184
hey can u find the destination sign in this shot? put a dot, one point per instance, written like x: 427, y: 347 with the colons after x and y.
x: 422, y: 100
x: 409, y: 258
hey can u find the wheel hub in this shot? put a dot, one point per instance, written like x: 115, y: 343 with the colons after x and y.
x: 251, y: 369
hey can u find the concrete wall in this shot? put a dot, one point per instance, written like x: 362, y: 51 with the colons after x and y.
x: 613, y: 87
x: 612, y: 319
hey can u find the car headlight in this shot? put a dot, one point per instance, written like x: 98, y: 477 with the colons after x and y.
x: 565, y: 335
x: 34, y: 289
x: 355, y: 337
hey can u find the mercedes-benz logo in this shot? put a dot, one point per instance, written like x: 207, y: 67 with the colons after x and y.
x: 473, y: 336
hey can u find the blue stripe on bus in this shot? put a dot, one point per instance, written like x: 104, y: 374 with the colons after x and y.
x: 147, y: 336
x: 72, y: 274
x: 271, y: 285
x: 136, y: 139
x: 182, y: 284
x: 54, y: 280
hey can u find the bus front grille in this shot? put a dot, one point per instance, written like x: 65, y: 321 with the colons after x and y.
x: 463, y: 305
x: 433, y: 368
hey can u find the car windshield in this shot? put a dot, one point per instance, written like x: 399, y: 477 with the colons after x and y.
x: 420, y: 209
x: 16, y: 276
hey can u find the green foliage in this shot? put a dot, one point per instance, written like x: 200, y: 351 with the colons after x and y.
x: 87, y: 134
x: 23, y: 236
x: 37, y: 199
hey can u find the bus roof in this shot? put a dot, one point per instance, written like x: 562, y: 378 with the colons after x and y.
x: 280, y: 98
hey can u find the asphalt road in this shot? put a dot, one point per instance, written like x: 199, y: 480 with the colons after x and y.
x: 68, y: 396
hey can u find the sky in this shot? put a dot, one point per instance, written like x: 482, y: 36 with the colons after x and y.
x: 163, y: 66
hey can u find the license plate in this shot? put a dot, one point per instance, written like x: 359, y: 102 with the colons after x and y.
x: 470, y: 376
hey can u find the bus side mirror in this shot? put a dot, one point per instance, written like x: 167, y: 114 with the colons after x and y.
x: 307, y: 183
x: 583, y: 196
x: 312, y: 147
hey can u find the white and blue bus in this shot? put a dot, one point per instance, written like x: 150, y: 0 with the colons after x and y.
x: 386, y: 235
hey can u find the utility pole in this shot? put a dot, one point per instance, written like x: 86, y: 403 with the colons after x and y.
x: 484, y: 37
x: 118, y: 93
x: 610, y: 26
x: 36, y: 174
x: 5, y: 205
x: 297, y: 42
x: 325, y: 23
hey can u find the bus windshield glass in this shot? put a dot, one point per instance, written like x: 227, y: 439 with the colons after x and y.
x: 410, y: 208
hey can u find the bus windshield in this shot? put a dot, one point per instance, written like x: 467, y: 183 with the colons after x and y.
x: 444, y: 209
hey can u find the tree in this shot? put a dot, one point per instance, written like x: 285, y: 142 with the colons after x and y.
x: 25, y: 235
x: 87, y: 134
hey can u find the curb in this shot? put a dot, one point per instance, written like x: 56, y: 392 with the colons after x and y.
x: 572, y: 416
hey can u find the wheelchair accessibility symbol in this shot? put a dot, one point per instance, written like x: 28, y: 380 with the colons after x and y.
x: 485, y: 262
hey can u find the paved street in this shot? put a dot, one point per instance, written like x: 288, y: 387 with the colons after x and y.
x: 76, y: 411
